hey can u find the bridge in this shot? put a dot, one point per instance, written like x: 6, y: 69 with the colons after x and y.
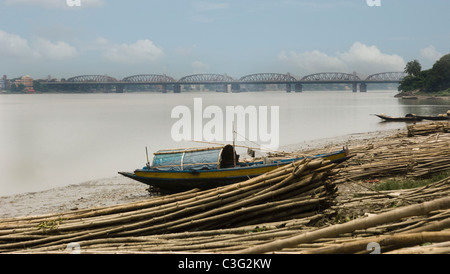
x: 227, y: 82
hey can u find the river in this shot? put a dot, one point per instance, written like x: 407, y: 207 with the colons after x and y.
x: 54, y: 140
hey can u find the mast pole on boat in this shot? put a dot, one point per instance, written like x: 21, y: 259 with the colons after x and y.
x: 234, y: 145
x: 148, y: 162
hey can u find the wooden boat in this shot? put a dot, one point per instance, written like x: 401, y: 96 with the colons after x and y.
x: 407, y: 118
x: 434, y: 118
x: 439, y: 117
x: 205, y: 168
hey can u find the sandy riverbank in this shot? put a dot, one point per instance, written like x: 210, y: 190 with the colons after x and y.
x: 119, y: 190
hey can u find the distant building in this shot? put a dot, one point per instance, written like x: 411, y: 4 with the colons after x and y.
x: 4, y: 83
x: 27, y: 81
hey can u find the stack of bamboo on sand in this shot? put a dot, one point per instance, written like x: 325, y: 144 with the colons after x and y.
x: 432, y: 222
x: 418, y: 228
x: 429, y: 128
x: 398, y: 156
x: 297, y: 190
x: 391, y: 230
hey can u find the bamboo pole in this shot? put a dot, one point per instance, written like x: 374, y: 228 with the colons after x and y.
x: 402, y: 240
x: 333, y: 231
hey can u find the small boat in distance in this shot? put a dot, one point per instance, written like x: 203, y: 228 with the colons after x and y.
x: 407, y: 118
x: 439, y: 117
x: 204, y: 168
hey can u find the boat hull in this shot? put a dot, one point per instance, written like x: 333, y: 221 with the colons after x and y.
x: 434, y: 118
x: 400, y: 119
x: 177, y: 181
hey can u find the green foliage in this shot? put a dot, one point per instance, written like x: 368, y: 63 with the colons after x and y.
x: 440, y: 78
x: 50, y: 225
x: 259, y: 229
x: 18, y: 88
x: 39, y: 87
x: 413, y: 68
x: 433, y: 80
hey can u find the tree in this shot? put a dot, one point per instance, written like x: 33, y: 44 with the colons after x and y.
x: 413, y: 68
x: 432, y: 80
x: 38, y: 86
x: 17, y: 88
x: 440, y: 75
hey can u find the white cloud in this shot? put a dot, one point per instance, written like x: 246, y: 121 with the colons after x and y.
x: 313, y: 61
x: 430, y: 53
x: 360, y: 58
x: 18, y: 48
x: 140, y: 52
x: 14, y: 46
x: 369, y: 59
x: 101, y: 44
x: 56, y: 4
x: 54, y: 51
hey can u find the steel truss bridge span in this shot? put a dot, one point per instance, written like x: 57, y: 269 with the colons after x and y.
x: 330, y: 76
x: 91, y: 79
x: 149, y: 78
x: 206, y: 79
x: 387, y: 76
x: 253, y: 78
x: 267, y: 78
x: 225, y: 80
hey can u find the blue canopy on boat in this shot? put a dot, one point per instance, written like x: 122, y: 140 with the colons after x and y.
x: 191, y: 158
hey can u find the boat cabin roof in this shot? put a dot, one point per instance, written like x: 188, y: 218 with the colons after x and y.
x: 194, y: 158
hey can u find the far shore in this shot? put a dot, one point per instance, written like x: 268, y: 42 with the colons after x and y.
x: 444, y: 95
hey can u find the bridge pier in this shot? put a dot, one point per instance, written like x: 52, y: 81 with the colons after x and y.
x: 363, y: 87
x: 355, y: 87
x: 164, y: 88
x: 235, y: 88
x: 119, y: 88
x: 227, y: 88
x: 298, y: 87
x: 176, y: 88
x: 288, y: 88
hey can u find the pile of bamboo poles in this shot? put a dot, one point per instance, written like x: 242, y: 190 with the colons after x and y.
x: 418, y: 228
x: 409, y: 221
x: 381, y: 201
x: 429, y: 128
x: 403, y: 227
x: 412, y: 157
x: 297, y: 190
x: 337, y: 238
x: 401, y: 219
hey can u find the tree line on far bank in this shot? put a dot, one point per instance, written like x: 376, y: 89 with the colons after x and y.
x: 436, y: 79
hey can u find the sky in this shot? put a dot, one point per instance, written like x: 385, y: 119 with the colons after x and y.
x: 66, y: 38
